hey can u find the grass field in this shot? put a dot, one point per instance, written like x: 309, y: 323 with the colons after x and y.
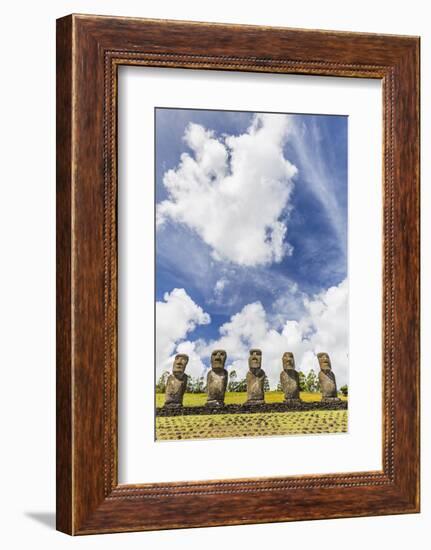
x: 248, y: 425
x: 231, y: 398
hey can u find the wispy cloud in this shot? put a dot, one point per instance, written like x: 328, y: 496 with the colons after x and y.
x: 307, y: 142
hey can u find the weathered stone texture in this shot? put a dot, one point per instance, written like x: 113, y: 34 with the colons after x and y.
x: 255, y: 379
x: 289, y: 378
x: 217, y: 379
x: 177, y: 382
x: 328, y: 385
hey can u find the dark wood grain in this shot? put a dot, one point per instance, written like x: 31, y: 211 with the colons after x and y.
x: 64, y: 496
x: 90, y: 49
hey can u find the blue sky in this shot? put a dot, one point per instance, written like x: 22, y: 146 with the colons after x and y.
x: 304, y: 248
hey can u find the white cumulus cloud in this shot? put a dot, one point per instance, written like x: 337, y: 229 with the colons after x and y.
x: 323, y: 327
x: 176, y: 317
x: 233, y: 191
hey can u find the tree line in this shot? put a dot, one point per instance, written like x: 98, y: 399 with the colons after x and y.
x: 307, y: 383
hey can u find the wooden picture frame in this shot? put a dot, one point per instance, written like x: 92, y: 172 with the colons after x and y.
x: 89, y: 51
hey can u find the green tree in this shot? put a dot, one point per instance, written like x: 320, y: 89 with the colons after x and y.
x: 235, y: 385
x: 196, y: 385
x: 161, y: 382
x: 232, y: 381
x: 266, y: 386
x: 241, y: 385
x: 302, y: 381
x: 345, y: 390
x: 312, y: 382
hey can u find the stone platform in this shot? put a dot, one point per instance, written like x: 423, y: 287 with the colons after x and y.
x: 250, y: 409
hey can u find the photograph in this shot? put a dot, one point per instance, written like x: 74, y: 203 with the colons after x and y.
x: 251, y: 271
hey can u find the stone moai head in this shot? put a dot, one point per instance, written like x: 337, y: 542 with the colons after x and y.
x: 288, y: 360
x: 218, y: 359
x: 324, y: 361
x: 255, y: 360
x: 180, y: 364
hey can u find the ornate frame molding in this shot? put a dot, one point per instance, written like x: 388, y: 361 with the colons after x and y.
x: 90, y: 49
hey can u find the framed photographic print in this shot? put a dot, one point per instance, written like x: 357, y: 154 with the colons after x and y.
x: 237, y: 274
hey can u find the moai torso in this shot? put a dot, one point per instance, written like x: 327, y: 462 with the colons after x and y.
x: 217, y: 379
x: 328, y: 385
x: 289, y: 378
x: 255, y: 379
x: 255, y: 383
x: 327, y: 382
x: 175, y: 390
x: 216, y: 386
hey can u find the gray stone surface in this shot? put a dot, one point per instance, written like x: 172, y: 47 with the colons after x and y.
x: 255, y: 379
x: 177, y: 382
x: 217, y: 379
x: 328, y: 385
x: 289, y: 379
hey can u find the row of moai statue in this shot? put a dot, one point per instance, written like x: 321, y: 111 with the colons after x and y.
x: 217, y: 379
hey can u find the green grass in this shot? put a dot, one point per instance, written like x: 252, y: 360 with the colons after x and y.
x: 199, y: 399
x: 250, y: 425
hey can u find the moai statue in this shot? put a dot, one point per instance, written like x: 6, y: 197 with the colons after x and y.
x: 255, y: 379
x: 289, y: 379
x: 217, y: 379
x: 328, y: 385
x: 177, y: 382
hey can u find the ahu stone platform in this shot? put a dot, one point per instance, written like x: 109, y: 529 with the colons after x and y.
x: 247, y: 409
